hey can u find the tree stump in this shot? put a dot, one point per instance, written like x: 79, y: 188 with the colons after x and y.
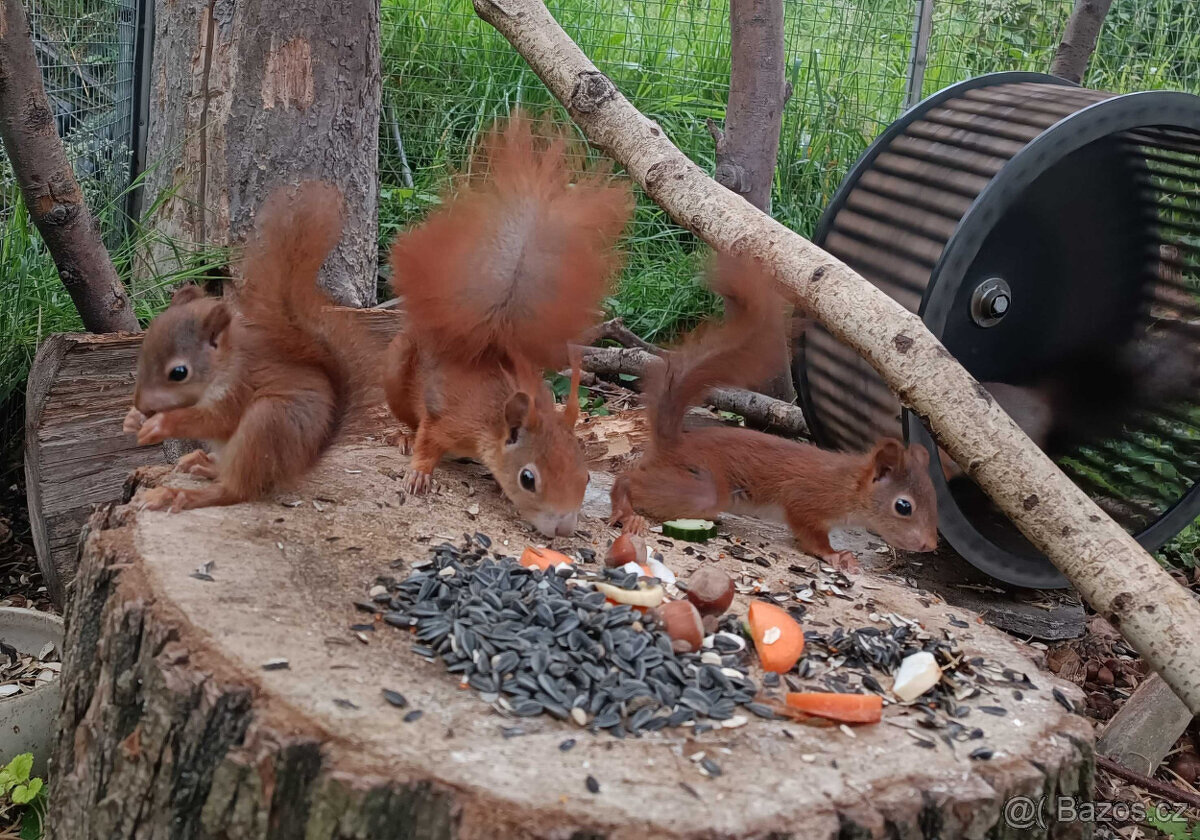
x: 172, y: 727
x: 252, y: 95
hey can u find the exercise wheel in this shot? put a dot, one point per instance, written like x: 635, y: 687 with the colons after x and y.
x: 1030, y: 222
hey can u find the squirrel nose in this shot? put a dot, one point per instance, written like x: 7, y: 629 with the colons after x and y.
x: 566, y: 525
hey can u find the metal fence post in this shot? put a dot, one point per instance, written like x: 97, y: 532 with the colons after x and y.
x: 919, y: 56
x: 140, y: 110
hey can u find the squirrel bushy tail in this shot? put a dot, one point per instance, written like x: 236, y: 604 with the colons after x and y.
x: 296, y: 231
x: 516, y: 263
x: 740, y: 351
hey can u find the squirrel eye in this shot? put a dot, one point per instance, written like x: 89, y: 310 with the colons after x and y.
x: 528, y: 480
x: 178, y: 373
x: 904, y: 507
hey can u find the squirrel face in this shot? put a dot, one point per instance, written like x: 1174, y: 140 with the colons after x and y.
x: 543, y: 470
x: 180, y: 352
x: 901, y: 502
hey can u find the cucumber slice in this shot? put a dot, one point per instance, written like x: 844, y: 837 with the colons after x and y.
x: 693, y: 530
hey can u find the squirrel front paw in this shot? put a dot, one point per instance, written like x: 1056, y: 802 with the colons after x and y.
x: 161, y: 498
x: 197, y: 463
x: 632, y: 524
x: 842, y: 560
x: 154, y: 430
x: 401, y: 439
x: 417, y: 483
x: 134, y: 420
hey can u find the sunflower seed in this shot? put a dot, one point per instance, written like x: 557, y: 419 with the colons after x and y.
x: 395, y: 698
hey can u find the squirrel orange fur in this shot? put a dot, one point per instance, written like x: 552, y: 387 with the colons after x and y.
x: 268, y: 383
x: 704, y: 471
x: 496, y: 283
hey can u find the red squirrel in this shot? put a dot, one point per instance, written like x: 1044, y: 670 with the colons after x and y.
x: 701, y: 472
x: 268, y: 383
x: 1088, y: 396
x: 496, y: 283
x: 1091, y: 393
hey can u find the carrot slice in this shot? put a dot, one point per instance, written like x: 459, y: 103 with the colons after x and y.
x: 777, y: 637
x: 543, y: 558
x: 843, y: 708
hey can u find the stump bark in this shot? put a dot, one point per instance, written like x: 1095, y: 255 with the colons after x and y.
x: 171, y: 727
x: 249, y: 96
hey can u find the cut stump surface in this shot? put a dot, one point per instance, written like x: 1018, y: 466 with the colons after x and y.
x: 173, y: 728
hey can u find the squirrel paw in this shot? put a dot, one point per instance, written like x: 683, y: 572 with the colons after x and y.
x: 163, y: 498
x: 634, y: 525
x: 842, y: 560
x: 154, y: 430
x: 134, y: 420
x: 401, y: 439
x: 197, y: 463
x: 418, y: 483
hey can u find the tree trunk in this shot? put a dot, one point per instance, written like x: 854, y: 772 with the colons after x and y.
x: 1115, y: 574
x: 252, y: 95
x: 171, y: 727
x: 1079, y: 39
x: 48, y: 185
x: 748, y: 148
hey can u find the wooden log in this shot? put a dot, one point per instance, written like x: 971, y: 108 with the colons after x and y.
x: 76, y: 455
x: 1116, y: 576
x: 171, y: 727
x: 1140, y: 735
x: 252, y: 95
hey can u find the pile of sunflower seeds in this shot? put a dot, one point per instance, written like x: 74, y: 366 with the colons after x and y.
x: 532, y: 642
x: 20, y: 673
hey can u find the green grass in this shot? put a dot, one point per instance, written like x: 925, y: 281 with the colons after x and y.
x: 447, y: 75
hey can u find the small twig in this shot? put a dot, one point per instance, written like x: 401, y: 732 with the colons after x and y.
x: 758, y: 409
x: 615, y: 330
x: 1165, y: 790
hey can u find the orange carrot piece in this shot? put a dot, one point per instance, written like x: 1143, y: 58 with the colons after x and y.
x: 843, y: 708
x: 543, y: 558
x: 777, y: 637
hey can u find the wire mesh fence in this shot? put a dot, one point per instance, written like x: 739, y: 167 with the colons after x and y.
x: 86, y: 51
x: 447, y: 75
x: 850, y: 64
